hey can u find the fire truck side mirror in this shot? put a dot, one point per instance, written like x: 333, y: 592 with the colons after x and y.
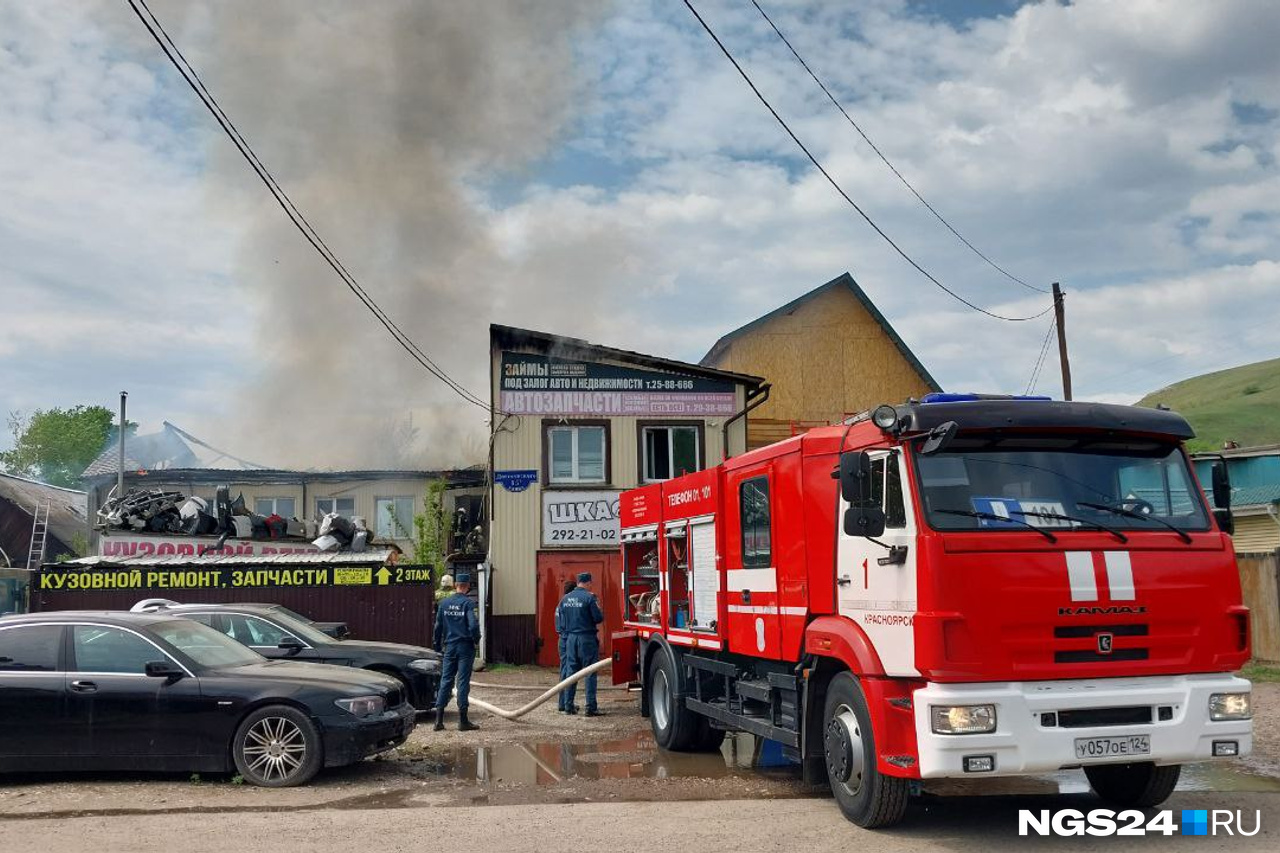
x: 939, y: 437
x: 855, y: 477
x: 1222, y: 497
x: 864, y: 517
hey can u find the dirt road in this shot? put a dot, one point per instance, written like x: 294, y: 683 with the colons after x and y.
x: 953, y: 825
x: 549, y: 771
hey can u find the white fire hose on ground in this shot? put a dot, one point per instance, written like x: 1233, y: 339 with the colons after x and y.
x: 551, y: 691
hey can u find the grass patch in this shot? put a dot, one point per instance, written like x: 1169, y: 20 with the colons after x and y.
x: 1261, y: 672
x: 1237, y: 404
x: 511, y: 667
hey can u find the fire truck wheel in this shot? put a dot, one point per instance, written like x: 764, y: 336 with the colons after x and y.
x: 866, y: 796
x: 675, y: 727
x: 1140, y: 785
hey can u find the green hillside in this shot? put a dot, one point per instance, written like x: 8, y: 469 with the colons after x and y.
x: 1241, y: 404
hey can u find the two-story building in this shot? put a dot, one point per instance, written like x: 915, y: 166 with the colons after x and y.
x: 575, y: 423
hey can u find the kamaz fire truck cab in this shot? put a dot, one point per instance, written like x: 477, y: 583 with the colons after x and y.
x: 963, y: 586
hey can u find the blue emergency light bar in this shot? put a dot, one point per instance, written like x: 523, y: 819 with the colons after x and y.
x: 942, y: 397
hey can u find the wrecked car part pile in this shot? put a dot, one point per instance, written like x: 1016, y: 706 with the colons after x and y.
x: 172, y: 512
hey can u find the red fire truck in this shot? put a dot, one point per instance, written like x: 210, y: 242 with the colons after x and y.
x: 961, y: 586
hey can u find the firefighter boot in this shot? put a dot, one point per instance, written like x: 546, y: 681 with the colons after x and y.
x: 439, y: 726
x: 465, y: 725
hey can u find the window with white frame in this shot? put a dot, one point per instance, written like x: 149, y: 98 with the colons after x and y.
x: 670, y: 451
x: 283, y: 507
x: 395, y: 517
x: 576, y: 454
x: 342, y: 506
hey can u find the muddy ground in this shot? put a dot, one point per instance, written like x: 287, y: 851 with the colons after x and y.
x: 544, y: 758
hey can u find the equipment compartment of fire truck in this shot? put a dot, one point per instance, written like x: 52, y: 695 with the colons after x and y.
x: 962, y: 586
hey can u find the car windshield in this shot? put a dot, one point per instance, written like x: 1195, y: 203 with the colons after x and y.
x: 204, y: 645
x: 991, y: 482
x: 301, y: 629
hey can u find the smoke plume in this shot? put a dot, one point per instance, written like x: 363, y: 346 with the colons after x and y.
x: 373, y: 117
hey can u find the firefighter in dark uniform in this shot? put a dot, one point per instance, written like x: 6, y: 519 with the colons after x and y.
x: 580, y: 614
x: 456, y: 634
x: 565, y: 672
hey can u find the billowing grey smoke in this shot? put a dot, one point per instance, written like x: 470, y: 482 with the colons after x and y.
x: 373, y: 115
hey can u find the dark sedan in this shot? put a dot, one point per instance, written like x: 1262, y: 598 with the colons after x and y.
x: 274, y: 634
x: 132, y: 691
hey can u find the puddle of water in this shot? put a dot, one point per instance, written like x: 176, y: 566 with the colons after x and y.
x: 634, y: 757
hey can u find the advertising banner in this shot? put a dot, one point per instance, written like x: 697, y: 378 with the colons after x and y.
x: 572, y: 518
x: 542, y: 385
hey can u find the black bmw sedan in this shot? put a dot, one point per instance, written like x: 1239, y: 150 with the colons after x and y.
x: 132, y: 691
x: 274, y: 633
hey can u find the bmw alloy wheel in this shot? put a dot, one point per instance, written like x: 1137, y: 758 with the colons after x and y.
x: 275, y: 748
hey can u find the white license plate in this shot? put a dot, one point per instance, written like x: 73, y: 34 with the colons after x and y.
x: 1113, y: 747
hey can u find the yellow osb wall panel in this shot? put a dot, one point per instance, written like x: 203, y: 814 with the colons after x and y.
x: 826, y: 358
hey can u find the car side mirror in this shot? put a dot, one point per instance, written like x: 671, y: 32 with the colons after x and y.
x: 162, y: 669
x: 292, y: 645
x: 1226, y: 521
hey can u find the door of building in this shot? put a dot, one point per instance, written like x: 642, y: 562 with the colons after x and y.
x: 556, y: 567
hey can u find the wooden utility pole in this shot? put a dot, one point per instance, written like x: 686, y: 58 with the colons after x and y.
x: 1060, y: 321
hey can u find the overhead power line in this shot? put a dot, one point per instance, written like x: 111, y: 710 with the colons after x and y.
x: 295, y: 215
x: 818, y: 165
x: 885, y: 159
x: 1040, y: 362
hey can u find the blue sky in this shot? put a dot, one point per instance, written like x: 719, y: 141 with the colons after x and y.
x: 600, y: 171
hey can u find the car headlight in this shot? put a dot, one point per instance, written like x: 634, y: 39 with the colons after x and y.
x: 963, y: 719
x: 362, y: 706
x: 425, y: 665
x: 1231, y: 706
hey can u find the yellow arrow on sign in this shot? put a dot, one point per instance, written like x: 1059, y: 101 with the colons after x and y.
x: 384, y: 576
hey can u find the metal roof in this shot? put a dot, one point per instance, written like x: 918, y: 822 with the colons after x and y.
x: 68, y: 508
x: 844, y: 280
x: 371, y: 557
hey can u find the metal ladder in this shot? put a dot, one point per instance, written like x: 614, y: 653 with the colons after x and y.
x: 39, y: 529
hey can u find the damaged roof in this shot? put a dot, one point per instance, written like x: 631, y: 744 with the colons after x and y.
x: 68, y: 508
x: 509, y: 337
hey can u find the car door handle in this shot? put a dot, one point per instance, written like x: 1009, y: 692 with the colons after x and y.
x: 844, y: 580
x: 84, y: 686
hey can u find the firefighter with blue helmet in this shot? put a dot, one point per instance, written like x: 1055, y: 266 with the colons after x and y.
x: 457, y: 632
x: 579, y: 616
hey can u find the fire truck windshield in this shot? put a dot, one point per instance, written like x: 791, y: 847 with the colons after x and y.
x: 1061, y: 483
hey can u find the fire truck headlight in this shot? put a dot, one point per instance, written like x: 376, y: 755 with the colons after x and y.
x: 885, y: 417
x: 1231, y: 706
x: 963, y: 719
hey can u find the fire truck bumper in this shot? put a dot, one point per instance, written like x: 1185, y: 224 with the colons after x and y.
x: 1043, y: 726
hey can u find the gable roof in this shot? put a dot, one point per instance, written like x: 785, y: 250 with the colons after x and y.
x: 844, y: 280
x: 576, y: 348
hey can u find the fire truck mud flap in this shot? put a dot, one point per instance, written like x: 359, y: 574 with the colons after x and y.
x: 1042, y: 726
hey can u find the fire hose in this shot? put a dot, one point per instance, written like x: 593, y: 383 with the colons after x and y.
x: 551, y: 691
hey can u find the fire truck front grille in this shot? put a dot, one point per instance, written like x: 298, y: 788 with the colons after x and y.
x: 1091, y: 656
x: 1088, y: 717
x: 1075, y: 632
